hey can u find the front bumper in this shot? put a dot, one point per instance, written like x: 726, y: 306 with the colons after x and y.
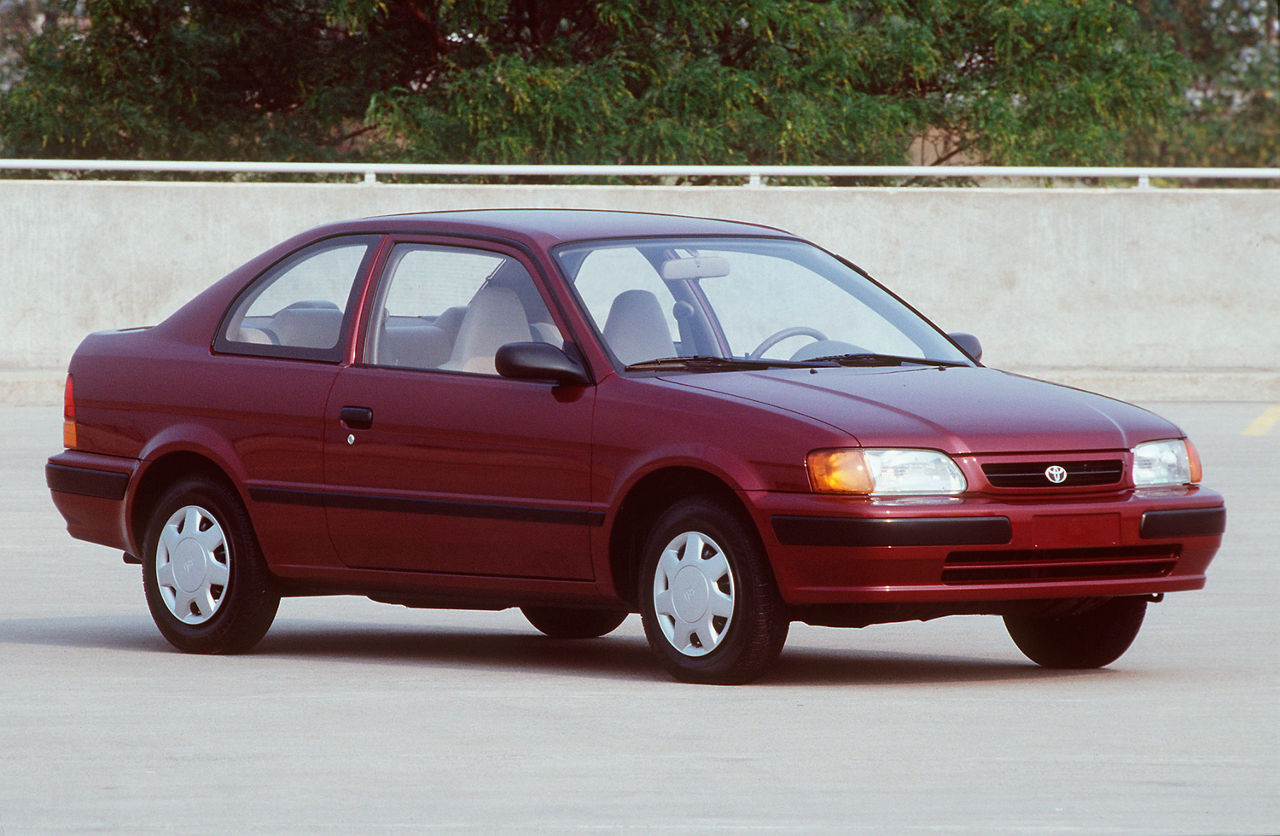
x: 839, y: 550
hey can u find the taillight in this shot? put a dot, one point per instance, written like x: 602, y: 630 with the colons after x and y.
x: 69, y: 415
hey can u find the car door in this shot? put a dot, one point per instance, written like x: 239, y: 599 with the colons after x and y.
x: 276, y: 355
x: 434, y: 463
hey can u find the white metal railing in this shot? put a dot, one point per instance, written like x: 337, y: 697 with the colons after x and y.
x: 753, y: 174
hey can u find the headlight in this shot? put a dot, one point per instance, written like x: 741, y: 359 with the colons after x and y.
x: 885, y: 472
x: 1163, y: 463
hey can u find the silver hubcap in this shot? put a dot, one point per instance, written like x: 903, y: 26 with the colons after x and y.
x: 192, y: 564
x: 693, y: 593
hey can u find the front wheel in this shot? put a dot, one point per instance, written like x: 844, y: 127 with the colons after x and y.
x: 710, y: 609
x: 572, y: 623
x: 206, y: 583
x: 1090, y: 639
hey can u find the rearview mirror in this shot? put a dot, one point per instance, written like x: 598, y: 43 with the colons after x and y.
x: 539, y: 361
x: 697, y: 267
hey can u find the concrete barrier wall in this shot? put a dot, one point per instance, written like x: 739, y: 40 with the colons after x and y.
x: 1140, y: 293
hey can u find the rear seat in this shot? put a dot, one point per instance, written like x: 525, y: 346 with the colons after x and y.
x: 428, y: 343
x: 415, y: 345
x: 307, y: 327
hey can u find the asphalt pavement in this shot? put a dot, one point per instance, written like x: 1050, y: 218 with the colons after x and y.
x: 354, y: 716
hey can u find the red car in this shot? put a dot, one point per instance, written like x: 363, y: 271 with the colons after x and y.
x: 586, y: 414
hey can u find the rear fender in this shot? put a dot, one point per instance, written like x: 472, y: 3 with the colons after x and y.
x: 186, y: 439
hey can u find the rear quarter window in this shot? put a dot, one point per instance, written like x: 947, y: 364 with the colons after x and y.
x: 302, y: 306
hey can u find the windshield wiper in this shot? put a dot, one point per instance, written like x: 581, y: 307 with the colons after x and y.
x: 711, y: 362
x: 707, y: 362
x: 869, y: 359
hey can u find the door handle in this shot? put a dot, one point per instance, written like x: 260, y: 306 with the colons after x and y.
x: 356, y: 417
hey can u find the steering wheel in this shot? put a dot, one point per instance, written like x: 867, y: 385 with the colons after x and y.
x: 778, y: 336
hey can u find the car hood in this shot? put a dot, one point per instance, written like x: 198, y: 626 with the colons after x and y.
x: 962, y: 410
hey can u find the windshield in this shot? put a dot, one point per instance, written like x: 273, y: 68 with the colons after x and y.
x: 752, y: 299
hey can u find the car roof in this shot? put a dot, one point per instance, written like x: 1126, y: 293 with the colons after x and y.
x: 548, y: 227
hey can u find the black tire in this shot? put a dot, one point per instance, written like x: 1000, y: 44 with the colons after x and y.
x: 573, y: 623
x: 211, y: 540
x: 1090, y: 639
x: 725, y: 591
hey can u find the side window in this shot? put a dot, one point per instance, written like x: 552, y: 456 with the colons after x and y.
x: 299, y: 307
x: 452, y: 308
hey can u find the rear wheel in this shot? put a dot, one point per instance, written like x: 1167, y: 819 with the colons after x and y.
x: 710, y: 609
x: 571, y: 623
x: 206, y: 583
x: 1090, y: 639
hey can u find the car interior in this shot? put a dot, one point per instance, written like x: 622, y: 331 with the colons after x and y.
x: 505, y: 309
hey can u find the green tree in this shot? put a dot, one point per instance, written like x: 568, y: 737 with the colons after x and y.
x: 1231, y: 114
x: 575, y: 81
x: 222, y: 80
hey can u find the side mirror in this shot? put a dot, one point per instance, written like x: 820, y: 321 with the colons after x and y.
x: 539, y: 361
x: 969, y: 344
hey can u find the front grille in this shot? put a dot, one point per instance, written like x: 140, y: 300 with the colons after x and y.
x: 1030, y: 565
x: 1080, y: 474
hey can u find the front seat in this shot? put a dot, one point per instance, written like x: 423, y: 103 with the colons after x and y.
x: 494, y: 318
x: 636, y: 329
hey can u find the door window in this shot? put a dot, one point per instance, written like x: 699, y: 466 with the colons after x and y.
x: 452, y: 308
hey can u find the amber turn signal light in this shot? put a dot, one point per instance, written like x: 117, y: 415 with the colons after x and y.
x: 69, y: 415
x: 1193, y: 462
x: 840, y: 471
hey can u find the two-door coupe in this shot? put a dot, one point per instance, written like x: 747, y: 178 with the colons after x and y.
x: 586, y: 414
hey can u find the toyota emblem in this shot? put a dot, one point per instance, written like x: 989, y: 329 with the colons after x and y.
x: 1057, y: 474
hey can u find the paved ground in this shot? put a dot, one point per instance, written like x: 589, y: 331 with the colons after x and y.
x: 353, y: 715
